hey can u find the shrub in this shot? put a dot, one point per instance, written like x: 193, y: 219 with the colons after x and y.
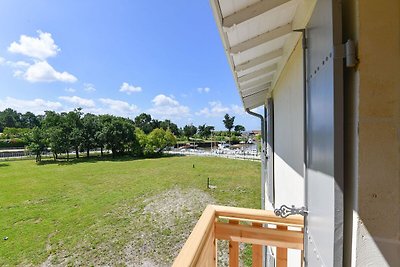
x: 14, y: 142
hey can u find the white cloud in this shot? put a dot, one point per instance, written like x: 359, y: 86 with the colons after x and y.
x: 237, y: 110
x: 40, y: 47
x: 118, y: 107
x: 41, y: 71
x: 166, y: 107
x: 163, y: 100
x: 203, y: 90
x: 37, y: 106
x: 129, y: 89
x: 89, y: 87
x: 18, y: 64
x: 18, y: 73
x: 80, y: 102
x: 259, y: 109
x: 2, y: 60
x: 70, y: 90
x: 18, y: 67
x: 215, y: 109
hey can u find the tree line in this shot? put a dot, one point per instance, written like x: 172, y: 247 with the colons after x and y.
x: 76, y: 132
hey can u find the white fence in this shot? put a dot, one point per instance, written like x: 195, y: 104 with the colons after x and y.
x: 222, y: 153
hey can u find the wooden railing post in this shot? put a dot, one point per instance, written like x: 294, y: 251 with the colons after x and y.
x: 257, y: 250
x: 281, y: 253
x: 302, y: 252
x: 214, y: 250
x: 233, y: 250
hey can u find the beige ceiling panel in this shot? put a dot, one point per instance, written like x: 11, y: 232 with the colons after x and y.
x: 251, y: 11
x: 255, y: 100
x: 258, y: 39
x: 258, y: 73
x: 256, y: 82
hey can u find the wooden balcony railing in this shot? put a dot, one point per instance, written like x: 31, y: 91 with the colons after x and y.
x: 240, y: 225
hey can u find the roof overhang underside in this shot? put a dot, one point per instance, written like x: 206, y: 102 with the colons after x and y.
x: 258, y: 37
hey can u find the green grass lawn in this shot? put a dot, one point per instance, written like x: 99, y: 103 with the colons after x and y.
x: 112, y: 211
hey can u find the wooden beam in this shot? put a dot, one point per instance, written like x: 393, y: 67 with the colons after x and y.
x: 262, y: 38
x: 251, y: 11
x: 200, y: 248
x: 267, y: 216
x: 259, y: 60
x: 256, y: 90
x: 257, y: 82
x: 257, y: 98
x: 233, y: 250
x: 281, y: 253
x: 252, y: 91
x: 208, y: 256
x: 195, y: 244
x: 257, y: 250
x: 259, y: 236
x: 257, y: 73
x: 302, y: 253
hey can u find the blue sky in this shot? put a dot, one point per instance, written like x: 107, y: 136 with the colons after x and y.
x: 120, y: 57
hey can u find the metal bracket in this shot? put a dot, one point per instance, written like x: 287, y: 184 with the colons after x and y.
x: 285, y: 211
x: 348, y: 52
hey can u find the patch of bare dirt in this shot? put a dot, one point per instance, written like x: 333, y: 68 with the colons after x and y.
x: 149, y: 233
x: 171, y: 217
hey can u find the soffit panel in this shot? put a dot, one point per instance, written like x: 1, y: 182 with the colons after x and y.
x: 263, y: 23
x: 258, y: 67
x: 255, y: 38
x: 228, y: 7
x: 255, y: 100
x: 259, y: 50
x: 255, y: 90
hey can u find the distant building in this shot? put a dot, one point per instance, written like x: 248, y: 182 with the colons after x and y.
x: 255, y: 132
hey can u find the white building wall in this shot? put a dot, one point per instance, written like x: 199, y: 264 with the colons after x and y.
x: 288, y: 134
x: 288, y: 138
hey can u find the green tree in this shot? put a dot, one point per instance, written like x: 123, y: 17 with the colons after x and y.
x: 10, y: 118
x: 228, y: 122
x: 154, y: 123
x: 90, y: 127
x: 58, y: 141
x: 56, y: 131
x: 30, y: 120
x: 74, y: 127
x: 36, y: 143
x: 141, y: 138
x: 101, y: 134
x: 205, y: 131
x: 239, y: 129
x: 158, y: 140
x: 167, y: 124
x: 189, y: 131
x: 118, y: 134
x: 143, y: 121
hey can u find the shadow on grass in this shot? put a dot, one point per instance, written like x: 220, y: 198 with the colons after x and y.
x: 94, y: 159
x: 4, y: 164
